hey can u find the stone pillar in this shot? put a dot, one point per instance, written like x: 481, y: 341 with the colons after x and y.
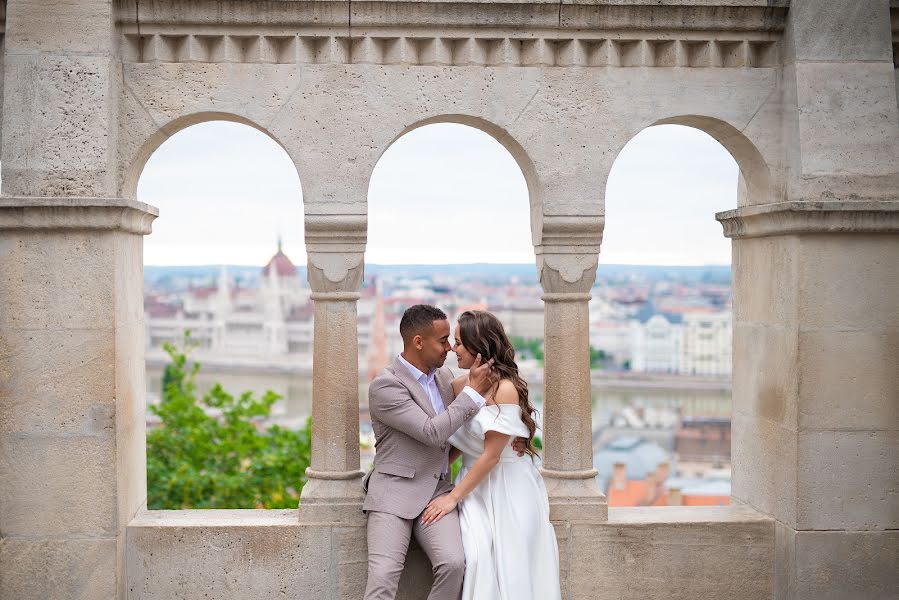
x: 333, y: 492
x: 72, y: 393
x: 816, y: 390
x: 567, y: 260
x: 816, y: 320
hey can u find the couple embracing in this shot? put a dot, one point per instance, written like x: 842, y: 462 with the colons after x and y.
x: 488, y: 536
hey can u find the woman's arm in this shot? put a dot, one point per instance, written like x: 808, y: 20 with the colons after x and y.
x: 459, y: 384
x: 494, y: 444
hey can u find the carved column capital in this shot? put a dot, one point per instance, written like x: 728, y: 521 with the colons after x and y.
x: 335, y: 245
x: 568, y: 254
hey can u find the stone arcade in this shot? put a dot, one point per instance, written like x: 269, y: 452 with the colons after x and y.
x: 804, y: 96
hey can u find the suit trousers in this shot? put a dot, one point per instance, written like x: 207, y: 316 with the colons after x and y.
x: 388, y: 542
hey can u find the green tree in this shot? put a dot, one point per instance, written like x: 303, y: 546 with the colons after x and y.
x: 598, y: 358
x: 528, y: 347
x: 214, y: 453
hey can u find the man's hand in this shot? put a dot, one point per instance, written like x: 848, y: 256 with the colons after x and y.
x: 519, y: 445
x: 481, y: 377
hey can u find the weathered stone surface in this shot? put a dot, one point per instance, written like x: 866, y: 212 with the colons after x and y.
x: 765, y: 373
x: 49, y: 26
x: 848, y: 480
x: 811, y: 565
x: 39, y: 264
x: 130, y: 421
x: 57, y: 381
x: 64, y: 569
x: 57, y: 485
x: 848, y: 282
x: 845, y: 123
x: 670, y: 553
x: 56, y: 132
x: 833, y: 30
x: 849, y: 380
x: 266, y: 554
x: 227, y: 555
x: 764, y: 456
x: 764, y: 280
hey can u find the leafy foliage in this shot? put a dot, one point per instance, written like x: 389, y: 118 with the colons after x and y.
x: 599, y: 358
x: 213, y: 452
x: 528, y: 348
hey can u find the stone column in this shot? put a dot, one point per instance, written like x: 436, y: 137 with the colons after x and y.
x: 816, y: 390
x: 567, y: 260
x: 72, y: 393
x: 816, y: 316
x: 333, y: 492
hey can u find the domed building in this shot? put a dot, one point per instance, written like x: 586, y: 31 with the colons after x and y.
x: 228, y: 320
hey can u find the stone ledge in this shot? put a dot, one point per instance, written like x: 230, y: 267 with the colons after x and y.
x: 215, y: 518
x: 783, y: 218
x: 661, y: 515
x: 527, y: 15
x: 673, y: 515
x: 69, y: 213
x: 235, y: 554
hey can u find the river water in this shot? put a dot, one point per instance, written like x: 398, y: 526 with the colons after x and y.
x: 611, y: 397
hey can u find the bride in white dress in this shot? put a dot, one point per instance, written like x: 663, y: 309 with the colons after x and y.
x: 510, y: 546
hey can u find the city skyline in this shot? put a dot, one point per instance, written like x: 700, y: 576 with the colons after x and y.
x: 219, y: 166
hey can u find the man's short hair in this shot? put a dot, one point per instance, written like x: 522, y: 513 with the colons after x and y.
x: 418, y: 320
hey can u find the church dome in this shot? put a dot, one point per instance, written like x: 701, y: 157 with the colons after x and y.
x: 283, y: 266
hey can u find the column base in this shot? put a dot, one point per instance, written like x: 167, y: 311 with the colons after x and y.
x: 332, y: 497
x: 575, y: 496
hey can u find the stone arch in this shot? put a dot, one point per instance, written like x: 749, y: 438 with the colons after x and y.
x: 755, y: 175
x: 507, y: 141
x: 146, y: 149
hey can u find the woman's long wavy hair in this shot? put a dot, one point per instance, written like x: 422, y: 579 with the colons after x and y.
x: 482, y: 333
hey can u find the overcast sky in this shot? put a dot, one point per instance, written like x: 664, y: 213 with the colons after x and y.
x: 441, y: 194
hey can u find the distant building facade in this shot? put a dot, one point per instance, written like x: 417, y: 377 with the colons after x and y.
x: 269, y: 324
x: 689, y: 344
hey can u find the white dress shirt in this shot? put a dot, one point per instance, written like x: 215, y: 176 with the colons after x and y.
x: 428, y: 382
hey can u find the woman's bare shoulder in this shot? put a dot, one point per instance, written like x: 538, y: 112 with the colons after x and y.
x: 506, y: 393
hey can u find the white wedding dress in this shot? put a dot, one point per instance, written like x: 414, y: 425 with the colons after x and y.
x: 510, y: 547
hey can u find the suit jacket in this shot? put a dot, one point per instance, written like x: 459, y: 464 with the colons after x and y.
x: 410, y: 446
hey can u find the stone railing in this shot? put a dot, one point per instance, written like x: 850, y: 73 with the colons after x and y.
x: 646, y: 553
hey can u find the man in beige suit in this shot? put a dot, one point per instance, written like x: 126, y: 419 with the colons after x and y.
x: 413, y: 413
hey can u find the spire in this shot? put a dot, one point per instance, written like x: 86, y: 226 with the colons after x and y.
x: 377, y: 349
x: 223, y: 292
x: 279, y: 244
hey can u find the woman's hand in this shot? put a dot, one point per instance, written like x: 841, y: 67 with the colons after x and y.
x: 437, y: 508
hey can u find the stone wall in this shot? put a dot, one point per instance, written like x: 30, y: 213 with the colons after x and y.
x: 668, y: 553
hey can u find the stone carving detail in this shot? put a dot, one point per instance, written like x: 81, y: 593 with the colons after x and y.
x: 335, y: 246
x: 569, y: 252
x: 811, y: 217
x: 591, y: 51
x: 77, y: 213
